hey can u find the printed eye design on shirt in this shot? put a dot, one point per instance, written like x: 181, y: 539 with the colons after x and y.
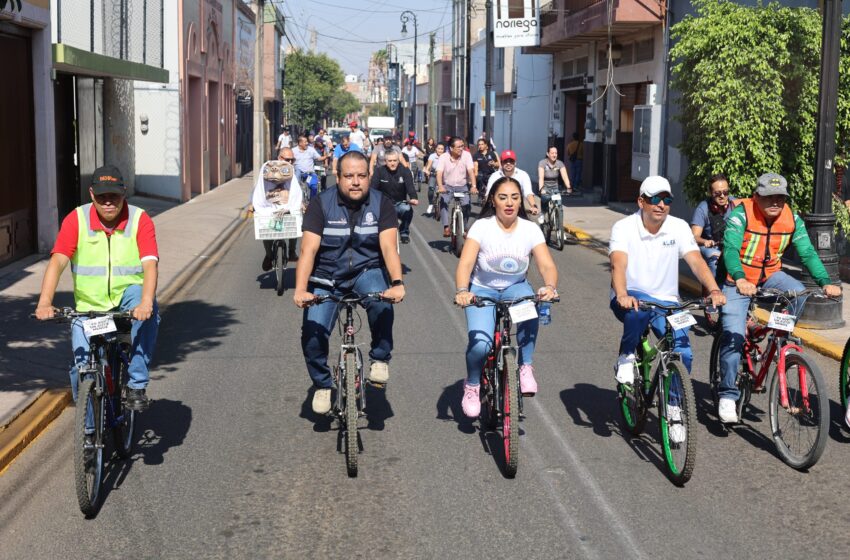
x: 504, y: 263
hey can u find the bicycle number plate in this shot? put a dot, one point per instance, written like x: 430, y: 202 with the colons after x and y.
x: 681, y: 320
x: 524, y: 311
x: 99, y: 325
x: 556, y: 198
x: 782, y: 321
x: 459, y: 195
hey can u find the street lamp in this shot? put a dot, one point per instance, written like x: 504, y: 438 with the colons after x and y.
x: 405, y: 17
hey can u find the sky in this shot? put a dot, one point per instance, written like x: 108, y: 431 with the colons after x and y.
x: 349, y: 31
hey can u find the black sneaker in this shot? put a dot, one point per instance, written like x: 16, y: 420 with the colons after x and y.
x: 267, y: 264
x: 405, y: 240
x: 293, y: 256
x: 137, y: 400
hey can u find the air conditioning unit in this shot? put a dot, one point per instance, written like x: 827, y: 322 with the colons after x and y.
x: 646, y: 141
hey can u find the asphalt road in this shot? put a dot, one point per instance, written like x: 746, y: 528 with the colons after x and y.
x: 231, y: 462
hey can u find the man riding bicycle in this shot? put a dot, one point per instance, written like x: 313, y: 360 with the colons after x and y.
x: 455, y: 174
x: 645, y: 249
x: 509, y: 169
x: 111, y: 246
x: 757, y: 234
x: 396, y: 182
x: 306, y: 158
x: 348, y: 245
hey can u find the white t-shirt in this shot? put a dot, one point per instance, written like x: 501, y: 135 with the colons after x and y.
x: 411, y: 152
x: 358, y: 137
x: 284, y: 141
x: 504, y: 256
x: 653, y: 266
x: 521, y: 177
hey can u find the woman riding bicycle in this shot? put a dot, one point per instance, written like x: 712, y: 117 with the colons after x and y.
x: 495, y: 261
x: 549, y: 170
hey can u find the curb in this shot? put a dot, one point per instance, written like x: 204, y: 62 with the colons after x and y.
x: 809, y: 337
x: 24, y: 428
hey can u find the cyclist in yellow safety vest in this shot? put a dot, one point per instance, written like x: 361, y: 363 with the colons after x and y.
x: 112, y: 248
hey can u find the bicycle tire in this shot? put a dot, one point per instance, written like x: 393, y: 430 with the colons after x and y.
x: 547, y: 227
x: 88, y: 463
x: 844, y: 379
x: 786, y: 427
x: 679, y: 457
x: 489, y: 414
x: 280, y: 266
x: 351, y: 413
x: 632, y: 404
x: 123, y: 434
x: 559, y: 227
x: 714, y: 369
x: 437, y: 211
x: 510, y: 415
x: 458, y: 235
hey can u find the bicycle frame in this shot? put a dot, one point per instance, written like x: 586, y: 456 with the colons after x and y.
x: 102, y: 366
x: 457, y: 207
x: 348, y: 345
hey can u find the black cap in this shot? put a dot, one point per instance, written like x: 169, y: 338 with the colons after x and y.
x: 107, y: 179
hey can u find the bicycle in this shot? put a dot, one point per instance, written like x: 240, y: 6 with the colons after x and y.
x: 501, y: 399
x: 348, y: 373
x: 801, y: 434
x: 458, y: 223
x: 677, y: 414
x: 554, y: 221
x: 844, y: 379
x: 101, y: 400
x: 278, y: 228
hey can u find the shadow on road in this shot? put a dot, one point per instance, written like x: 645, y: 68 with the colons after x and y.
x: 268, y: 281
x: 188, y: 327
x: 378, y: 408
x: 440, y: 245
x: 448, y: 407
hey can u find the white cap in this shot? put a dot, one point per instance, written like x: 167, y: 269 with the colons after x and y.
x: 655, y: 184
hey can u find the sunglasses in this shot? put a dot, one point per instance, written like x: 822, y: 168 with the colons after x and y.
x: 290, y: 160
x: 720, y: 194
x: 508, y: 162
x: 656, y: 199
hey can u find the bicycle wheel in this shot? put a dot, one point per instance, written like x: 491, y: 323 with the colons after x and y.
x: 88, y: 457
x: 558, y: 226
x: 350, y: 374
x: 510, y: 421
x: 714, y: 370
x: 801, y: 430
x: 632, y: 403
x: 844, y: 379
x: 123, y: 433
x: 280, y: 264
x: 677, y: 416
x: 458, y: 233
x: 547, y: 226
x: 489, y: 414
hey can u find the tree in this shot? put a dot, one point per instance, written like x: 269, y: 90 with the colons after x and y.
x: 314, y: 89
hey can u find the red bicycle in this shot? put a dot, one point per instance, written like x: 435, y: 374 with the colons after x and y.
x: 798, y: 403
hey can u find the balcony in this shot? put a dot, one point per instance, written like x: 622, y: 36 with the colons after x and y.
x: 567, y: 24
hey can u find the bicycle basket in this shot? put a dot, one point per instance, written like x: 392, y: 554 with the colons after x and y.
x: 287, y: 226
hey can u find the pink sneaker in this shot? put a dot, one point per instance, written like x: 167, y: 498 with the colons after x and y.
x: 527, y: 384
x: 471, y: 403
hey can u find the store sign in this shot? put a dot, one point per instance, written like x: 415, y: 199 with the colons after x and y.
x: 516, y: 23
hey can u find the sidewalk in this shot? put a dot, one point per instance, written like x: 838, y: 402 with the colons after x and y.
x: 34, y: 363
x: 591, y: 224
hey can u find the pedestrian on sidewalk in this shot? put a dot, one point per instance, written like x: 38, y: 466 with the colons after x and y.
x: 112, y: 248
x: 575, y: 159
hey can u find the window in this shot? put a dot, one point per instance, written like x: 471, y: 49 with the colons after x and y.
x: 581, y: 65
x: 642, y: 129
x: 516, y: 8
x: 567, y: 68
x: 602, y: 59
x: 500, y: 58
x: 644, y: 50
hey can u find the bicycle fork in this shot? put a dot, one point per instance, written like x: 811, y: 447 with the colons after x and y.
x: 783, y: 380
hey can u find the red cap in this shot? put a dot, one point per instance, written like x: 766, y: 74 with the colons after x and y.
x: 411, y: 133
x: 508, y: 154
x: 352, y: 123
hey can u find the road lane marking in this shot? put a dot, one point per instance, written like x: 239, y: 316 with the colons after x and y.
x: 620, y: 529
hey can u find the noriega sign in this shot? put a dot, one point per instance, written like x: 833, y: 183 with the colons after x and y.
x: 516, y: 23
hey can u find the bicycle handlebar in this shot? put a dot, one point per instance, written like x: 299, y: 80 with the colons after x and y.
x: 352, y: 298
x: 68, y: 313
x: 700, y: 303
x: 790, y: 294
x: 484, y: 301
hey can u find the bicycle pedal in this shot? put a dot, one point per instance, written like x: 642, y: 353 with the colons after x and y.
x: 376, y: 385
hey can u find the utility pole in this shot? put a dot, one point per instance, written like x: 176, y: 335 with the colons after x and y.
x: 825, y: 314
x: 488, y: 73
x: 259, y: 114
x: 432, y: 91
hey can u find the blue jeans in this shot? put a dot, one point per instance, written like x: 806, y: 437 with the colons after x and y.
x: 481, y: 322
x: 575, y: 173
x: 320, y: 319
x: 143, y: 340
x: 711, y: 256
x: 405, y: 215
x: 734, y: 318
x: 635, y: 323
x: 446, y: 204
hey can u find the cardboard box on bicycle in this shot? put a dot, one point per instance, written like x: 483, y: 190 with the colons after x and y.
x: 275, y: 226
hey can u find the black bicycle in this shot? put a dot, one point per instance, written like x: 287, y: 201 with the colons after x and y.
x: 677, y: 415
x: 347, y: 374
x: 102, y: 414
x: 501, y: 400
x: 553, y: 221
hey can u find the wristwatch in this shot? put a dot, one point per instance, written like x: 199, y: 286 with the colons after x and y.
x: 398, y: 282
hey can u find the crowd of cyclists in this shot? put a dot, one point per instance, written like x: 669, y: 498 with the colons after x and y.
x: 349, y: 244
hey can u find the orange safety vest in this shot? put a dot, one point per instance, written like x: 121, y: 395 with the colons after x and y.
x: 763, y: 246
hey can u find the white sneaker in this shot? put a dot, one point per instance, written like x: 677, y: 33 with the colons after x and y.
x: 625, y: 368
x: 379, y: 372
x: 322, y: 401
x: 674, y: 422
x: 541, y: 220
x: 847, y: 415
x: 727, y: 411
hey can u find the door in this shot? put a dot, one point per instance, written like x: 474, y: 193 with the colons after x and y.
x: 627, y: 188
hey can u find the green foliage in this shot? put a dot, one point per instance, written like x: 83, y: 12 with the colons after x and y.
x: 377, y: 110
x: 314, y: 89
x: 842, y: 121
x: 748, y: 78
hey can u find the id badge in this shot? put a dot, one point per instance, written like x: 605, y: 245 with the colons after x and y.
x: 681, y: 320
x: 556, y: 198
x: 524, y: 311
x: 99, y: 325
x: 782, y: 321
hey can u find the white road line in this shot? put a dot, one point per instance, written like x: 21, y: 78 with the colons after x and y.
x: 620, y: 530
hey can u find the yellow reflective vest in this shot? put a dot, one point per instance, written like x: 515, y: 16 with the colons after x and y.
x: 103, y: 266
